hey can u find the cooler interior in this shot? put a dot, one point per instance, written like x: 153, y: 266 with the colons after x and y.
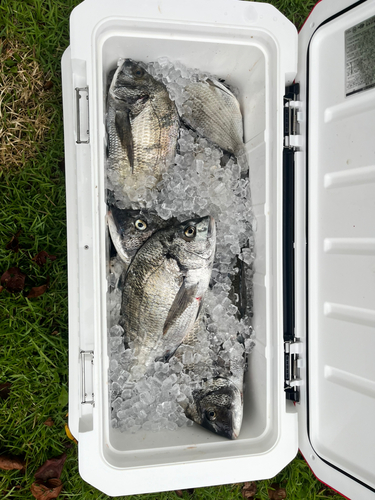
x: 249, y: 64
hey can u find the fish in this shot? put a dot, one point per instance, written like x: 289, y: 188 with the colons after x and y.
x: 217, y: 404
x: 129, y: 229
x: 142, y: 126
x: 213, y: 111
x: 164, y: 286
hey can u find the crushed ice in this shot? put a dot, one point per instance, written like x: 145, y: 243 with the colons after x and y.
x: 203, y: 181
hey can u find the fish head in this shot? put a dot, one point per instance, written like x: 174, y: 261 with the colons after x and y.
x: 129, y: 229
x: 195, y: 239
x: 131, y: 82
x: 218, y: 407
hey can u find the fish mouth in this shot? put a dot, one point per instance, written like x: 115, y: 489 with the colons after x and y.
x: 113, y: 231
x: 211, y: 226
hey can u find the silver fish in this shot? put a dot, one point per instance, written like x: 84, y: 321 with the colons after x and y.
x: 129, y: 229
x: 214, y: 112
x: 218, y: 404
x: 164, y: 286
x: 142, y: 125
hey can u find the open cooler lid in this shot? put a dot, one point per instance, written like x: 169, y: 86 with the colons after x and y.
x: 335, y: 243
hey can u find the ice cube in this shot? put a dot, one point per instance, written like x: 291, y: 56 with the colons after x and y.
x: 147, y: 398
x: 177, y: 367
x: 126, y: 394
x: 113, y: 365
x: 117, y: 403
x: 116, y: 331
x: 171, y: 426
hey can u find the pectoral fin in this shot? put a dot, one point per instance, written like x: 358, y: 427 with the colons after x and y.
x: 185, y: 296
x: 124, y: 131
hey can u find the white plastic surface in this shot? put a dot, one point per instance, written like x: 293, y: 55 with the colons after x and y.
x: 337, y: 412
x: 254, y: 47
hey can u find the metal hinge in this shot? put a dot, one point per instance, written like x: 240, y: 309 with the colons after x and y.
x: 87, y: 363
x: 291, y: 370
x: 292, y: 117
x: 82, y: 108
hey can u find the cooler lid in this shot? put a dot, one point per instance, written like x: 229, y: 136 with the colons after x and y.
x: 337, y: 323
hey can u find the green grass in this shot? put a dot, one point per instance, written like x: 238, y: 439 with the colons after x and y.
x: 34, y: 332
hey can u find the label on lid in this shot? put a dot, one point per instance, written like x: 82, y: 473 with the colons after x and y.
x: 360, y: 57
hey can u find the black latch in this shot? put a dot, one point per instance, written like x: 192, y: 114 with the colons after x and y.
x: 291, y: 126
x: 292, y: 394
x: 291, y: 371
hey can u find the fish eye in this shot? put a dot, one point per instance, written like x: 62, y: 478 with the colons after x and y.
x: 140, y: 225
x: 211, y: 415
x: 139, y: 72
x: 190, y: 231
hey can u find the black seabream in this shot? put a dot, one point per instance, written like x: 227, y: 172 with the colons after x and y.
x: 142, y: 126
x: 164, y: 287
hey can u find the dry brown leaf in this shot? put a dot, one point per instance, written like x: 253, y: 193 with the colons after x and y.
x: 49, y: 422
x: 37, y: 291
x: 179, y: 493
x: 55, y: 332
x: 51, y: 489
x: 10, y: 463
x: 13, y: 280
x: 41, y: 258
x: 249, y: 489
x: 14, y: 243
x: 5, y: 390
x: 52, y: 468
x: 48, y: 85
x: 276, y: 492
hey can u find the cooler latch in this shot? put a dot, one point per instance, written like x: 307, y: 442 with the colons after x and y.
x: 292, y: 117
x: 82, y: 115
x: 292, y: 370
x: 87, y: 386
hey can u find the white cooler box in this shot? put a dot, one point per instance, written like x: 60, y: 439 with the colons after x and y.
x: 311, y: 151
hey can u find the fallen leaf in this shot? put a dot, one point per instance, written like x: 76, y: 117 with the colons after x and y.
x: 13, y: 280
x: 180, y: 493
x: 14, y: 243
x: 48, y: 85
x: 5, y: 390
x: 41, y: 258
x: 249, y: 490
x: 52, y: 468
x: 37, y: 291
x: 276, y: 493
x: 326, y: 492
x: 63, y: 398
x: 51, y: 489
x: 10, y: 463
x: 69, y: 434
x: 1, y: 288
x: 55, y: 332
x: 49, y: 422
